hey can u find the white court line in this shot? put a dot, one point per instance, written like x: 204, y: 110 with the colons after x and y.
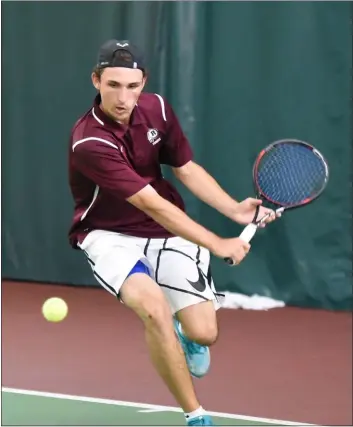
x: 147, y: 406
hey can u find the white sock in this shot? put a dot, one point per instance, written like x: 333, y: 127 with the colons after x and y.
x: 197, y: 413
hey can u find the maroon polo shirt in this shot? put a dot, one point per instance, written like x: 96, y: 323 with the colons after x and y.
x: 109, y: 162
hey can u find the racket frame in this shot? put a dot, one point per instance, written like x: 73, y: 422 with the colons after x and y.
x: 257, y: 162
x: 250, y: 230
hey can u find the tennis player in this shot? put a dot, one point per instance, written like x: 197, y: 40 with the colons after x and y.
x: 132, y: 226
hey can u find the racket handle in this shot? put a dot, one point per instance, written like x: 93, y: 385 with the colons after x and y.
x: 247, y: 234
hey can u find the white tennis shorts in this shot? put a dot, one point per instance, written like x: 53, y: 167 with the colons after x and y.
x: 181, y: 268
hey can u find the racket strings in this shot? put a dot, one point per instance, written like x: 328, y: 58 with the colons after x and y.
x: 290, y: 174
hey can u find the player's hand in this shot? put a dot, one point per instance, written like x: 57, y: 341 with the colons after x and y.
x: 246, y: 211
x: 234, y: 248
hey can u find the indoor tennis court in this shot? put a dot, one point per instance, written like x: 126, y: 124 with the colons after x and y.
x: 288, y: 364
x: 256, y: 93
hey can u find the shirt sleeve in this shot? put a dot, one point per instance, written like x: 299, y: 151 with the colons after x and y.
x: 176, y: 150
x: 105, y: 165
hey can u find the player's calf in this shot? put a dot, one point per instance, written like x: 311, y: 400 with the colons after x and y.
x: 196, y: 328
x: 206, y: 335
x: 199, y: 323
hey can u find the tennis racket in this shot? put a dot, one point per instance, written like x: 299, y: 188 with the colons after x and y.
x: 287, y: 174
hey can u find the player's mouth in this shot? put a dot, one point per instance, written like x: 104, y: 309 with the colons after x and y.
x: 120, y: 110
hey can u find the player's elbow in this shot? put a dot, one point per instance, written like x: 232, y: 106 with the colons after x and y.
x: 184, y: 172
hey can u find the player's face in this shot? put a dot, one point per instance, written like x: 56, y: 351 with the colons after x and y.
x: 120, y: 89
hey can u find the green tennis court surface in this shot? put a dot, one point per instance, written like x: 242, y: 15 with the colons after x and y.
x: 23, y: 407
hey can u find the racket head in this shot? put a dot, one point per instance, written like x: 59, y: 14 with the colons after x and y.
x: 290, y: 173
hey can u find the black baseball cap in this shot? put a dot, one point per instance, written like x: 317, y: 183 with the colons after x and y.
x: 120, y: 53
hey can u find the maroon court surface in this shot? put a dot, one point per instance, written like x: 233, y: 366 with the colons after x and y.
x: 289, y: 363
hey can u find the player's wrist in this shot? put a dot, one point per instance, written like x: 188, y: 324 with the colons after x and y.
x: 235, y: 213
x: 232, y: 210
x: 215, y: 244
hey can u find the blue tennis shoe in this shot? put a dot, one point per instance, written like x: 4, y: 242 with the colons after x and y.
x: 203, y: 420
x: 198, y: 357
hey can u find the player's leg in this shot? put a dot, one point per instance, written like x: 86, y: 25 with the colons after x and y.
x: 113, y: 260
x: 196, y: 327
x: 140, y: 293
x: 199, y: 322
x: 182, y: 271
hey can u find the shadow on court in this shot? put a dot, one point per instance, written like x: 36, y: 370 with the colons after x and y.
x: 290, y: 364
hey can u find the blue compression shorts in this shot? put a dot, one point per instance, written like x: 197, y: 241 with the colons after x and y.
x: 139, y: 267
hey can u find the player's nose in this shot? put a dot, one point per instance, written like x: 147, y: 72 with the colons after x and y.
x: 122, y: 97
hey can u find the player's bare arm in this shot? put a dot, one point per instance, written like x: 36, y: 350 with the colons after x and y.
x: 207, y: 189
x: 180, y: 224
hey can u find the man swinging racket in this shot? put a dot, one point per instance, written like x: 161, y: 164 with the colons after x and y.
x: 131, y: 224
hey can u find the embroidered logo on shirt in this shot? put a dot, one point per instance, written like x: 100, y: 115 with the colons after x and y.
x: 153, y: 136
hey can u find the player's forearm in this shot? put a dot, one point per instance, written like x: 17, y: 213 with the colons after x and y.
x: 174, y: 219
x: 206, y: 188
x: 180, y: 224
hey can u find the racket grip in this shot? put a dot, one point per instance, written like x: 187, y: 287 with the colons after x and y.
x: 247, y: 234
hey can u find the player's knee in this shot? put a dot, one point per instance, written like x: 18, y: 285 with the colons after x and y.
x: 145, y: 298
x: 155, y: 313
x: 153, y: 309
x: 204, y: 335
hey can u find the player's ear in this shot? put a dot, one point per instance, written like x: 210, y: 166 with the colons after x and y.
x: 96, y: 80
x: 144, y: 80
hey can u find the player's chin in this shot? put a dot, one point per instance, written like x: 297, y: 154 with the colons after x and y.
x: 120, y: 114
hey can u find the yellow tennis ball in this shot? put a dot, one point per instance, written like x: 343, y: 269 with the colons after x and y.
x: 55, y: 309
